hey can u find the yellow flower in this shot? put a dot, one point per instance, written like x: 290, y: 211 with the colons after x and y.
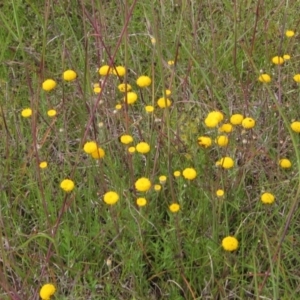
x: 168, y: 92
x: 171, y: 62
x: 119, y: 70
x: 143, y: 184
x: 236, y: 119
x: 47, y: 291
x: 189, y: 173
x: 153, y: 40
x: 97, y: 89
x: 51, y: 113
x: 67, y: 185
x: 131, y: 150
x: 225, y: 162
x: 277, y: 60
x: 141, y: 202
x: 149, y: 108
x: 297, y: 78
x: 285, y: 163
x: 69, y: 75
x: 177, y: 174
x: 289, y: 33
x: 126, y: 139
x: 164, y: 102
x: 131, y: 97
x: 248, y: 123
x: 90, y: 147
x: 230, y: 243
x: 220, y: 193
x: 204, y: 141
x: 105, y: 70
x: 48, y: 85
x: 118, y: 106
x: 174, y: 207
x: 162, y: 179
x: 211, y: 122
x: 43, y: 165
x: 111, y: 198
x: 286, y: 57
x: 216, y: 114
x: 296, y: 126
x: 265, y: 78
x: 227, y: 127
x: 157, y: 187
x: 142, y: 147
x: 122, y: 87
x: 26, y: 113
x: 222, y: 140
x: 143, y: 81
x: 99, y: 153
x: 267, y: 198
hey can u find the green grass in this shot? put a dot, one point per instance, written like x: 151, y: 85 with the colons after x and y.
x: 89, y: 250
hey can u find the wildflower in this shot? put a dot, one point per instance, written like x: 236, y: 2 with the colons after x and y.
x: 124, y: 87
x: 69, y: 75
x: 105, y: 70
x: 97, y: 88
x: 47, y: 291
x: 286, y: 57
x: 51, y: 113
x: 285, y: 163
x: 168, y: 92
x: 141, y: 202
x: 177, y: 174
x: 236, y: 119
x: 99, y: 153
x: 227, y: 127
x: 119, y: 71
x: 248, y: 123
x: 297, y: 78
x: 296, y: 126
x: 267, y: 198
x: 149, y: 108
x: 220, y: 193
x: 90, y: 147
x: 174, y: 207
x: 222, y: 140
x: 189, y: 173
x: 142, y: 147
x: 225, y: 162
x: 277, y: 60
x: 157, y: 187
x: 171, y: 62
x: 130, y: 97
x: 26, y: 113
x: 67, y: 185
x: 153, y: 40
x: 111, y: 198
x: 289, y: 33
x: 118, y: 106
x: 143, y: 184
x: 143, y: 81
x: 48, y: 85
x: 131, y: 149
x: 43, y: 165
x: 162, y: 179
x: 211, y: 122
x: 164, y: 102
x: 126, y: 139
x: 230, y: 243
x: 204, y: 141
x: 265, y: 78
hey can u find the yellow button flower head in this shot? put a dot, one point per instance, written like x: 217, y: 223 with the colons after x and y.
x: 267, y: 198
x: 296, y: 126
x: 211, y: 122
x: 143, y: 184
x: 168, y: 92
x: 285, y: 163
x: 289, y: 33
x: 204, y: 141
x: 47, y: 291
x: 248, y: 123
x: 142, y: 147
x: 216, y: 114
x: 277, y: 60
x: 97, y: 89
x: 98, y: 154
x: 119, y: 70
x: 286, y: 57
x: 51, y: 113
x: 225, y: 162
x: 131, y: 97
x: 177, y: 174
x: 189, y: 173
x: 265, y: 78
x: 174, y: 207
x: 230, y: 243
x: 141, y: 202
x: 67, y: 185
x: 131, y: 150
x: 48, y: 85
x: 126, y: 139
x: 118, y: 106
x: 220, y: 193
x: 171, y: 62
x: 43, y: 165
x: 227, y: 127
x: 236, y: 119
x: 111, y: 198
x: 26, y: 113
x: 105, y: 70
x: 90, y: 147
x: 162, y: 179
x: 157, y: 187
x: 69, y: 75
x: 222, y: 140
x: 122, y: 87
x: 149, y: 108
x: 143, y: 81
x: 297, y: 78
x: 164, y: 102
